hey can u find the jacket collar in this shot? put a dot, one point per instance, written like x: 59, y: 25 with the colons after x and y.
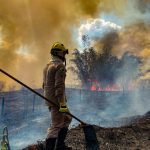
x: 55, y: 58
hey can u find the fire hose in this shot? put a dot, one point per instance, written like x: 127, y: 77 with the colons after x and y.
x: 89, y: 131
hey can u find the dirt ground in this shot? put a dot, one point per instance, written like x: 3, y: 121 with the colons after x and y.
x: 135, y: 136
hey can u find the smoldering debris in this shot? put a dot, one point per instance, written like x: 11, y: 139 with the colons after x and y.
x: 135, y: 135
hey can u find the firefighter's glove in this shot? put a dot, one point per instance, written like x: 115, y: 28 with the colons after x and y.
x: 63, y: 108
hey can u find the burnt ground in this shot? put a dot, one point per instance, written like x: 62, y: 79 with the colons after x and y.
x: 134, y: 136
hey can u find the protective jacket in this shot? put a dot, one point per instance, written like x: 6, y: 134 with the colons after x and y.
x: 54, y: 81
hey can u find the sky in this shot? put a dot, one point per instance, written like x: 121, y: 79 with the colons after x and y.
x: 28, y: 29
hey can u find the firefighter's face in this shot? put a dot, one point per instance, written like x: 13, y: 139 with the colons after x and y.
x: 62, y: 54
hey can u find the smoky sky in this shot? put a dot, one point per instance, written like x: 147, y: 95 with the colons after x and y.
x: 29, y: 27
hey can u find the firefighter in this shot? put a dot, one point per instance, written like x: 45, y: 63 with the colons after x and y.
x: 54, y: 89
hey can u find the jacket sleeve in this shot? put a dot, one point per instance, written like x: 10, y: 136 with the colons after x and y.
x: 44, y: 76
x: 60, y: 83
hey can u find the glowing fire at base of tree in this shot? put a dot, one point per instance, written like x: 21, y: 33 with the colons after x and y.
x: 115, y: 87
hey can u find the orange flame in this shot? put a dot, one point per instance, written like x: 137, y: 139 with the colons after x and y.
x: 115, y: 87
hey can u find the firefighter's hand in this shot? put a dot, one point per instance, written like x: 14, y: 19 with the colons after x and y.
x: 63, y: 108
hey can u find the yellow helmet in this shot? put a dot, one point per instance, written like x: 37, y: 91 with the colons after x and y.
x: 57, y: 48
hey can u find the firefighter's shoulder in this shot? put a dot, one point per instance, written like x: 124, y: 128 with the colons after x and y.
x: 61, y: 67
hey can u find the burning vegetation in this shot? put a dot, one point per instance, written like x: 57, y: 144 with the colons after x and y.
x: 101, y: 70
x: 115, y: 55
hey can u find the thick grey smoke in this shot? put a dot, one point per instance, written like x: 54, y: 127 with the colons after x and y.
x: 104, y: 69
x: 107, y: 109
x: 96, y: 29
x: 23, y: 40
x: 129, y: 98
x: 132, y: 34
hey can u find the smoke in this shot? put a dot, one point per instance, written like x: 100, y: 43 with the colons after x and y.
x: 139, y: 12
x: 132, y: 36
x: 135, y: 39
x: 129, y: 48
x: 102, y: 69
x: 2, y: 85
x: 96, y: 29
x: 108, y: 41
x: 89, y: 7
x: 42, y: 24
x: 26, y: 33
x: 28, y: 29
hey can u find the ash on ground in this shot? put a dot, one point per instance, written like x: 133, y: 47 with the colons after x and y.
x: 134, y: 136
